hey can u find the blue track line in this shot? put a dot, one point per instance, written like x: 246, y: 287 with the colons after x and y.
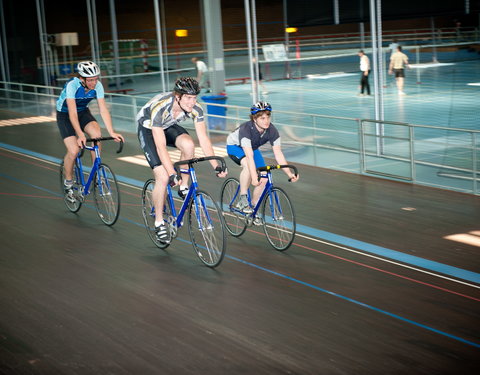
x: 309, y: 285
x: 317, y: 233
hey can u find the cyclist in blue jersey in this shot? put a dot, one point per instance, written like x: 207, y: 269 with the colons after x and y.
x: 74, y: 118
x: 157, y: 128
x: 243, y: 148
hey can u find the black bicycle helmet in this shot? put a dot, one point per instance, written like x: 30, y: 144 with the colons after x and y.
x: 259, y: 107
x: 187, y: 85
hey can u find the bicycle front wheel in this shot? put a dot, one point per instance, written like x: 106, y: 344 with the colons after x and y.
x: 206, y: 228
x: 279, y: 219
x: 234, y: 219
x: 72, y: 202
x: 106, y: 195
x: 148, y: 213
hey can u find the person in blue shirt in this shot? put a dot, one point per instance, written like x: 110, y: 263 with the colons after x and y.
x: 74, y: 118
x: 243, y: 148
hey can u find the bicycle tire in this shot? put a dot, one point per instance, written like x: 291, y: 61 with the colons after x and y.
x: 207, y: 229
x: 148, y: 213
x: 72, y: 206
x: 234, y: 220
x: 279, y: 222
x: 106, y: 194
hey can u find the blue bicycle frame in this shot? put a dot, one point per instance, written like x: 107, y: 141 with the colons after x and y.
x: 193, y: 189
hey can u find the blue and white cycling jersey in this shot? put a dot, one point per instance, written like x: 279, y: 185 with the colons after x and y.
x: 74, y: 89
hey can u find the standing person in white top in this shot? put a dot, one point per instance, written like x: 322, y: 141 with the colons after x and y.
x: 398, y: 61
x: 202, y: 73
x: 393, y: 46
x: 365, y: 68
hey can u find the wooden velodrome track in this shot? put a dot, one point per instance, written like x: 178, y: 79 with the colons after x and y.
x: 370, y: 286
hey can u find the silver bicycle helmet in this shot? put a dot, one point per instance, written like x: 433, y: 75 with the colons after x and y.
x: 88, y: 69
x: 186, y: 85
x: 259, y: 107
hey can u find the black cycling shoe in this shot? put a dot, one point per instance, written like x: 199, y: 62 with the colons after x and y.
x: 161, y: 233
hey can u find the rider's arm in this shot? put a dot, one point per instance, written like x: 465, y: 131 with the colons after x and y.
x: 73, y: 116
x: 107, y: 119
x: 251, y: 164
x: 161, y: 145
x: 280, y: 158
x: 205, y: 143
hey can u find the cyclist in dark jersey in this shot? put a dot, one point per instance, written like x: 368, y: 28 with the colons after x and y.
x: 243, y: 148
x: 74, y: 117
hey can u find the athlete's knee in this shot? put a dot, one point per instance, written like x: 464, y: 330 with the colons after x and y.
x: 185, y: 144
x: 93, y: 129
x: 161, y: 175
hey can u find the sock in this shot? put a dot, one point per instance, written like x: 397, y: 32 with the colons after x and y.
x: 158, y: 223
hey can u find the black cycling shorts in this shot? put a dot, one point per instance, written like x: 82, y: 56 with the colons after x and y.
x: 399, y: 73
x: 65, y: 125
x: 147, y: 143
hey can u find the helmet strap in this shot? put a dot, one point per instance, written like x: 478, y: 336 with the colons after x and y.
x: 177, y: 98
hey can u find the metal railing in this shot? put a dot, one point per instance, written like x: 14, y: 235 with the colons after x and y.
x: 436, y: 156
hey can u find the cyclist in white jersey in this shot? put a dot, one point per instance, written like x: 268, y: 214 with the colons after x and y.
x: 157, y: 127
x: 74, y: 117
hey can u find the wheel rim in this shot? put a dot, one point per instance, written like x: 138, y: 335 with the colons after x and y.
x: 234, y: 221
x: 148, y: 213
x: 106, y: 195
x: 206, y: 229
x: 279, y: 219
x: 72, y: 206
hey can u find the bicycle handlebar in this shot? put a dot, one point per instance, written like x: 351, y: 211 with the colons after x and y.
x: 96, y: 140
x: 268, y: 168
x: 176, y: 165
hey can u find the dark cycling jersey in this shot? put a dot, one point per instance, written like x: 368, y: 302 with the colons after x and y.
x: 74, y: 89
x: 247, y: 135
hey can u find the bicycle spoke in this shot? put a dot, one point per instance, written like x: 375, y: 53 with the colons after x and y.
x: 148, y: 213
x: 106, y: 195
x: 73, y: 202
x: 206, y: 229
x: 234, y: 219
x: 279, y: 219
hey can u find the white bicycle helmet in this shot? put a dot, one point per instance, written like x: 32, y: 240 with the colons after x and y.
x: 88, y: 69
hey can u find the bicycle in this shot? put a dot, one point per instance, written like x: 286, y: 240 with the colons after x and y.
x: 277, y: 215
x: 205, y: 223
x: 105, y: 188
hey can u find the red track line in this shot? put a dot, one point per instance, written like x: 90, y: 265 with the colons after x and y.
x: 27, y: 161
x: 30, y: 195
x: 294, y: 243
x: 390, y: 273
x: 379, y: 270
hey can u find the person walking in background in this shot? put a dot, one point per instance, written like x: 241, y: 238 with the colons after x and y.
x: 398, y: 61
x: 393, y: 46
x: 365, y: 68
x: 202, y: 73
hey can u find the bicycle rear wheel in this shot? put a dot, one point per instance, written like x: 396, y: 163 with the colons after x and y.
x: 148, y: 213
x: 106, y: 194
x: 234, y: 219
x: 279, y: 219
x: 75, y: 204
x: 206, y: 228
